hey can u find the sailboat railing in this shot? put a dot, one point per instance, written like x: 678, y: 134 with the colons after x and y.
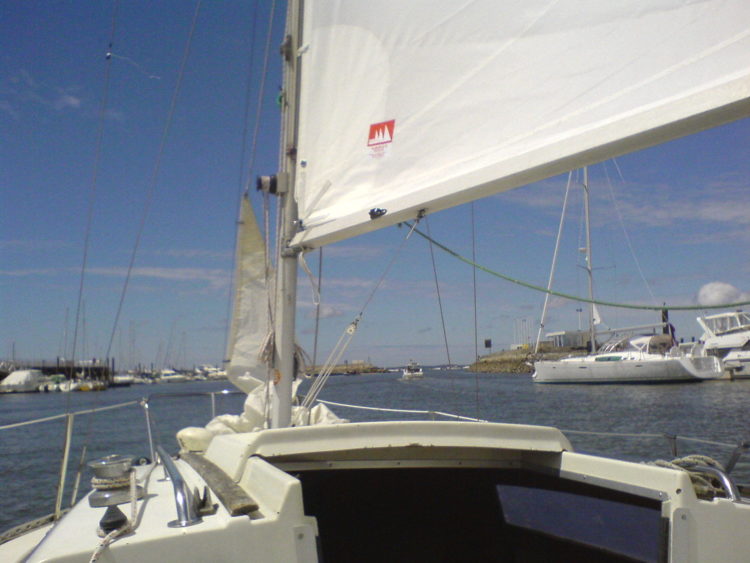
x: 738, y: 449
x: 68, y: 439
x: 430, y: 413
x: 151, y: 424
x: 69, y: 419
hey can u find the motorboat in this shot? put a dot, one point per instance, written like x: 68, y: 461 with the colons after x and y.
x: 412, y: 371
x: 22, y: 381
x: 727, y: 336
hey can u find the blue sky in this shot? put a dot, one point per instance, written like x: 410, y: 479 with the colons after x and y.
x: 683, y: 207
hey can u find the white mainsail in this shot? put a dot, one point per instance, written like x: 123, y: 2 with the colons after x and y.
x: 428, y: 104
x: 251, y: 314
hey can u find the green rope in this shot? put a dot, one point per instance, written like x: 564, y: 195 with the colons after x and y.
x: 573, y: 297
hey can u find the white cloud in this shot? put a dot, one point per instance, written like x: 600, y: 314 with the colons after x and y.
x: 193, y: 253
x: 30, y: 272
x: 66, y: 101
x: 326, y: 312
x: 717, y: 293
x: 27, y: 245
x: 349, y: 251
x: 216, y: 278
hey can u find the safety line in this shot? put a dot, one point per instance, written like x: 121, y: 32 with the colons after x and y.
x: 573, y: 297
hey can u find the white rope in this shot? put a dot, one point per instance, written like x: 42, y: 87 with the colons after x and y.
x: 129, y: 525
x: 703, y: 482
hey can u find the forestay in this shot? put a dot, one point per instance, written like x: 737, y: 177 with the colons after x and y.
x: 427, y: 104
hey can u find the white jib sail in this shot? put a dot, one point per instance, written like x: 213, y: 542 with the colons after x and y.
x: 250, y: 315
x: 428, y: 104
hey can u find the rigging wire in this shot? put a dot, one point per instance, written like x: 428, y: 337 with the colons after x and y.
x: 574, y: 297
x: 241, y: 183
x: 244, y: 185
x: 317, y: 308
x: 476, y: 323
x: 440, y: 301
x: 338, y: 350
x: 94, y: 179
x: 625, y: 232
x: 554, y: 263
x: 154, y: 175
x: 442, y: 316
x: 81, y: 305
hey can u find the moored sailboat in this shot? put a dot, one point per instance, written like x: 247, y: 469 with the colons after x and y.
x: 284, y: 490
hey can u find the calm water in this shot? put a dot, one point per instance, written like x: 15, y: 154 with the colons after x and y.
x: 30, y: 456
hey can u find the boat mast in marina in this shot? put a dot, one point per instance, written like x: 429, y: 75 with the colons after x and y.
x: 589, y: 266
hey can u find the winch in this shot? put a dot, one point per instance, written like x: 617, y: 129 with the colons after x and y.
x: 112, y: 481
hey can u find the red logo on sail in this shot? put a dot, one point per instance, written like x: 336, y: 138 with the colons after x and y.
x: 381, y: 133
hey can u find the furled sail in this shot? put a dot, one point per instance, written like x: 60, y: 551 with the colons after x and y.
x: 250, y: 317
x: 428, y: 104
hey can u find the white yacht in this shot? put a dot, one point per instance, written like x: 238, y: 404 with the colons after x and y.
x: 643, y: 359
x: 727, y: 336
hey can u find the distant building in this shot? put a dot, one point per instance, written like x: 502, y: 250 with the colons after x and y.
x: 569, y: 338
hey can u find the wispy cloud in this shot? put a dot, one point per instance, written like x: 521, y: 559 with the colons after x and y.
x: 21, y: 88
x: 723, y: 198
x: 216, y: 278
x: 29, y: 272
x: 66, y: 101
x: 33, y: 245
x: 326, y: 312
x: 192, y: 253
x: 721, y: 203
x: 348, y: 283
x: 354, y: 252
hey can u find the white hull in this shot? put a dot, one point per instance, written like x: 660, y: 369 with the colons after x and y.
x: 284, y: 487
x: 172, y: 379
x: 22, y: 381
x: 416, y: 374
x: 737, y: 363
x: 653, y: 370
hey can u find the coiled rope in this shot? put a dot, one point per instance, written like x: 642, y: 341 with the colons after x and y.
x: 705, y: 484
x: 130, y: 524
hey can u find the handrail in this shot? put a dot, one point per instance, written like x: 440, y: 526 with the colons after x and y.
x: 730, y: 488
x: 59, y: 416
x: 187, y: 515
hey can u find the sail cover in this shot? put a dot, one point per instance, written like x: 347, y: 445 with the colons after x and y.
x: 250, y: 316
x: 428, y: 104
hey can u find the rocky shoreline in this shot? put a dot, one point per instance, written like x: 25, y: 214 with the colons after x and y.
x: 518, y: 361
